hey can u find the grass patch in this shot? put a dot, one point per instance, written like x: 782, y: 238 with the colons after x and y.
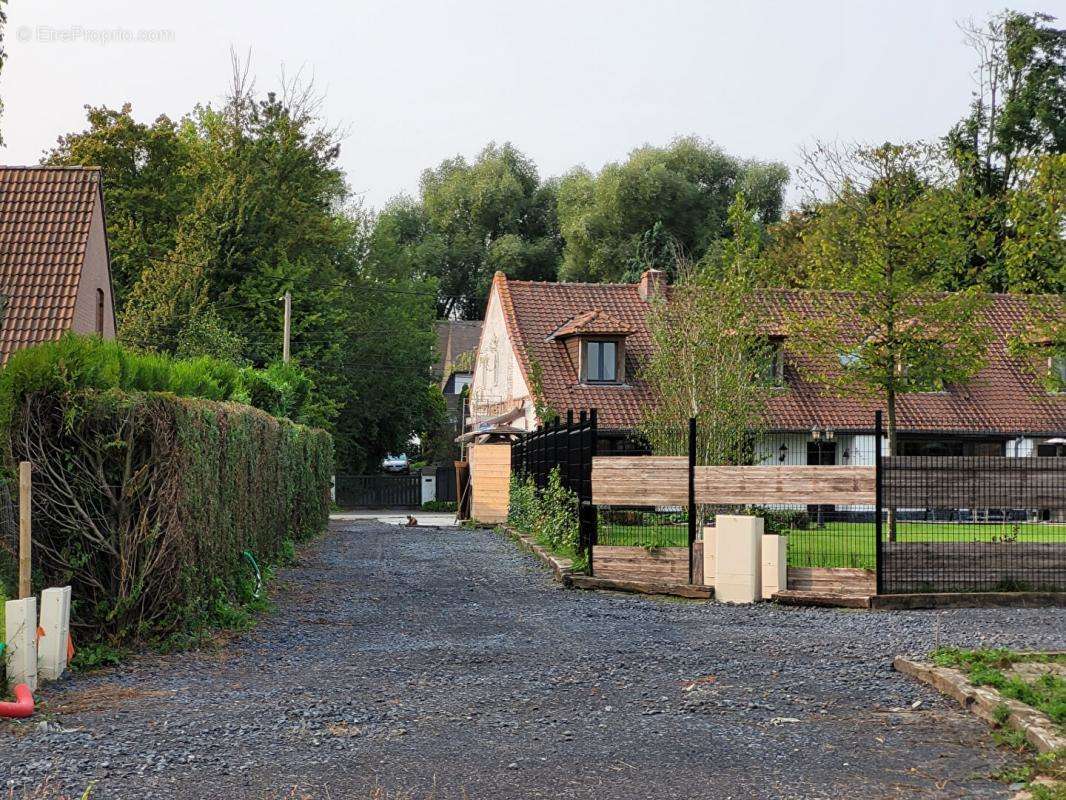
x: 986, y: 667
x: 842, y: 544
x: 440, y: 505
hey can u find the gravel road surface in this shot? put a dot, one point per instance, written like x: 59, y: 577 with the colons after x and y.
x: 415, y: 663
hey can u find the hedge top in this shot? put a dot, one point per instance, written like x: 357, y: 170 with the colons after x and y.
x: 78, y: 363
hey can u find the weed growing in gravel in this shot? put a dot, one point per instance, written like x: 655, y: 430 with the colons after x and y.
x: 49, y: 791
x: 549, y: 515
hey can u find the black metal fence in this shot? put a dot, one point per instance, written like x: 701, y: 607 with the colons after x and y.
x: 952, y: 523
x: 569, y: 446
x: 378, y: 491
x: 972, y: 524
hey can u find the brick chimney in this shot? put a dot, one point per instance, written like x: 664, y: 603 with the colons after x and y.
x: 651, y: 284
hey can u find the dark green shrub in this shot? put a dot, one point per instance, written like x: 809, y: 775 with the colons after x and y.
x: 781, y: 520
x: 549, y: 514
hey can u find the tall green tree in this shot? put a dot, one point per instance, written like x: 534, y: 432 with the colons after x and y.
x: 635, y: 215
x: 892, y: 222
x: 710, y: 358
x: 147, y: 182
x: 470, y: 220
x: 1018, y: 113
x: 218, y: 216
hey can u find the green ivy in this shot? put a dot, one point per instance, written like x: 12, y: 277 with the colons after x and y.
x: 549, y: 514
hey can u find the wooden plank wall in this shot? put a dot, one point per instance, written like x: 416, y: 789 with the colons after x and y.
x: 974, y: 482
x: 664, y: 565
x: 663, y: 481
x: 490, y: 474
x: 640, y: 481
x: 827, y: 485
x: 832, y: 580
x: 972, y: 566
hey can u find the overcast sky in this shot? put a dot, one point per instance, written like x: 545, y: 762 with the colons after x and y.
x: 567, y: 82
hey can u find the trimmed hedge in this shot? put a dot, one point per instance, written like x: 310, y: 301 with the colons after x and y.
x: 146, y: 502
x: 75, y: 363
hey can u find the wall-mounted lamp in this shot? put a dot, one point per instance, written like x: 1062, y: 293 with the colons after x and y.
x: 816, y: 434
x: 829, y: 434
x: 783, y: 452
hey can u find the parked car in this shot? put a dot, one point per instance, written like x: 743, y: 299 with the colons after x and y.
x: 396, y: 464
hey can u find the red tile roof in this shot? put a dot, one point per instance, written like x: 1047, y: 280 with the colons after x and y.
x: 1004, y: 397
x: 591, y: 323
x: 45, y: 215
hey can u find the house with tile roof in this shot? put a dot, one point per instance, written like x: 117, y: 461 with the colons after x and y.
x: 457, y: 342
x: 55, y: 270
x: 576, y: 346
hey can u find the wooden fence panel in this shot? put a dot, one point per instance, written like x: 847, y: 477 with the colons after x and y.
x: 974, y: 482
x: 663, y: 481
x: 490, y: 474
x: 640, y: 481
x: 828, y: 485
x: 663, y: 565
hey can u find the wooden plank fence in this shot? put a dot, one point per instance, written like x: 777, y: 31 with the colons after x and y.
x: 663, y: 481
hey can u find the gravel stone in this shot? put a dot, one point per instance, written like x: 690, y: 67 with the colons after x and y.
x: 432, y: 662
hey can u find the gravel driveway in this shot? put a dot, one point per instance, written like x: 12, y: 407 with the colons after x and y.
x: 423, y: 663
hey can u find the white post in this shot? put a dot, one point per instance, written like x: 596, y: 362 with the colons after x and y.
x: 737, y: 547
x: 55, y: 631
x: 21, y: 638
x: 429, y: 485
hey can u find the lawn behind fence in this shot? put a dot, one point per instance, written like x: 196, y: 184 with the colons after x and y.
x: 845, y: 544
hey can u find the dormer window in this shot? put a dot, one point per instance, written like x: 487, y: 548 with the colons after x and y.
x: 595, y: 343
x: 599, y: 360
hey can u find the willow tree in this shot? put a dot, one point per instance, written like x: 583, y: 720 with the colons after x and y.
x: 709, y: 357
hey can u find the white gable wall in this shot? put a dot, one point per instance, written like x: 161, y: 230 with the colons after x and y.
x: 498, y: 381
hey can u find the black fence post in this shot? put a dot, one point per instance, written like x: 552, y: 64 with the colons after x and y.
x: 879, y: 566
x: 591, y: 512
x: 691, y: 494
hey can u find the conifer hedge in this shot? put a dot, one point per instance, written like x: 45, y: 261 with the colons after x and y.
x: 146, y: 502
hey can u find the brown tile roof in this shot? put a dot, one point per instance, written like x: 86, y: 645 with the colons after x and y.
x: 454, y: 338
x: 1004, y: 397
x: 591, y: 323
x: 533, y: 311
x: 45, y: 214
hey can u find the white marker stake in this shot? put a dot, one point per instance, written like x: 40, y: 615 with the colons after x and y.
x: 55, y: 628
x: 21, y: 636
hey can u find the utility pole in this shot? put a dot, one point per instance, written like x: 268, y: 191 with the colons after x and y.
x: 288, y: 327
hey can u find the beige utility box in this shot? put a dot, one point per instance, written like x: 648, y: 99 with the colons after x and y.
x: 20, y: 617
x: 738, y: 545
x: 710, y: 569
x: 774, y: 564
